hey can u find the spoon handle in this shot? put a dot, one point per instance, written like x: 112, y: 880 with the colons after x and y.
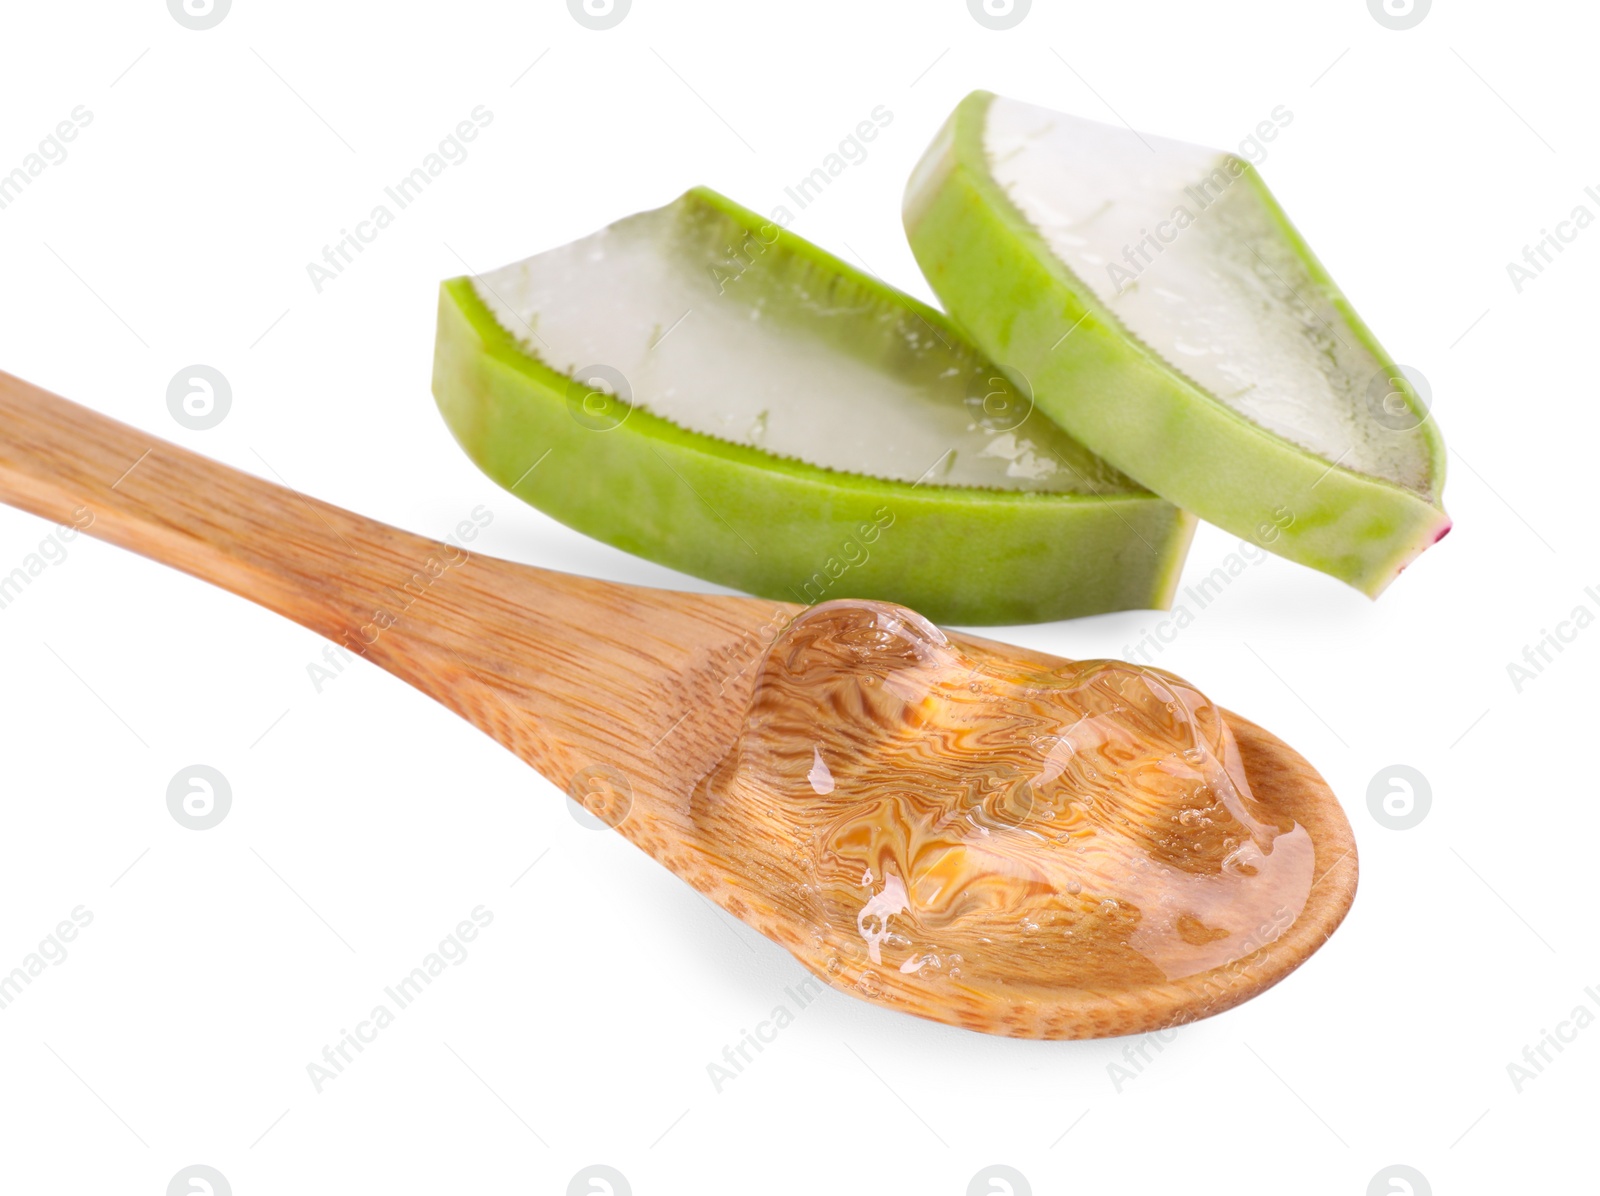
x: 563, y: 670
x: 315, y: 563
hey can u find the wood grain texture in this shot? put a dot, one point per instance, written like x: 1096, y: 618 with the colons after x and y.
x: 626, y: 697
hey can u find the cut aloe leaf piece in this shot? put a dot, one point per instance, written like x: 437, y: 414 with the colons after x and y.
x: 700, y: 387
x: 1168, y: 315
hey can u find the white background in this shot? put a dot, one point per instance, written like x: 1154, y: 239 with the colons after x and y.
x: 367, y: 822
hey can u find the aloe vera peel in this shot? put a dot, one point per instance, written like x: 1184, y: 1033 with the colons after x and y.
x: 705, y: 389
x: 1169, y: 316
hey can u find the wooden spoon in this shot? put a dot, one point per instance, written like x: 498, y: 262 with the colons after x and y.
x: 637, y: 701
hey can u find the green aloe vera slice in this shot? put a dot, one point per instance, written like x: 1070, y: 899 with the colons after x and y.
x: 1167, y: 314
x: 700, y: 387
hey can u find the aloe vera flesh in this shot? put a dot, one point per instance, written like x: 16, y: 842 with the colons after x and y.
x: 1175, y: 241
x: 718, y: 329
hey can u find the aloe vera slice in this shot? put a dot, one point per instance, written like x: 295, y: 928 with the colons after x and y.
x: 1168, y: 315
x: 697, y: 386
